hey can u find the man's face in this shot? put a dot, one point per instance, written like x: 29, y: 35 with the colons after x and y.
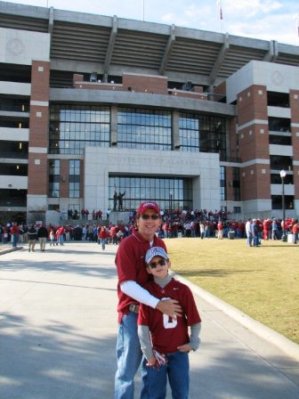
x: 148, y: 223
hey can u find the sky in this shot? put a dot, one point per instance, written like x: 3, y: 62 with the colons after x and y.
x: 260, y: 19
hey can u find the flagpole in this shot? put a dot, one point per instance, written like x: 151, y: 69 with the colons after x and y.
x: 220, y: 14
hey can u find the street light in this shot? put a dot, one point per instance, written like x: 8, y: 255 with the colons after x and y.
x: 282, y: 176
x: 170, y: 202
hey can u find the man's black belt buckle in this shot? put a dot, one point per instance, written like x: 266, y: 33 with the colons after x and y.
x: 134, y: 308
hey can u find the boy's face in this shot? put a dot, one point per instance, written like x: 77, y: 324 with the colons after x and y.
x: 158, y: 267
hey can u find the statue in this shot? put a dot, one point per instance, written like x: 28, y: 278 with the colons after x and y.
x: 115, y: 198
x: 120, y: 200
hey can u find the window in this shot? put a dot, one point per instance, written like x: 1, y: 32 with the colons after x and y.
x: 277, y: 201
x: 278, y: 162
x: 54, y: 178
x: 278, y: 99
x: 144, y: 129
x: 74, y: 127
x: 189, y: 133
x: 280, y: 140
x: 74, y: 178
x: 202, y: 133
x: 236, y: 184
x: 237, y: 209
x: 170, y: 193
x: 222, y: 183
x: 279, y: 124
x: 276, y: 179
x: 14, y: 149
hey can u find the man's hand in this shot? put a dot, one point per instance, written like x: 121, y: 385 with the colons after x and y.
x: 171, y: 307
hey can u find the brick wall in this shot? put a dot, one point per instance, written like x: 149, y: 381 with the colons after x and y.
x: 38, y: 126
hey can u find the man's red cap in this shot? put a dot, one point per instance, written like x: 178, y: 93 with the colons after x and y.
x: 144, y: 206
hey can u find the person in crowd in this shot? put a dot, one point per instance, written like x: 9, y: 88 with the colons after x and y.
x: 103, y: 235
x: 32, y: 238
x: 274, y: 229
x: 15, y: 234
x: 295, y: 230
x: 42, y: 234
x: 60, y: 232
x: 255, y: 233
x: 248, y: 232
x: 6, y: 237
x: 132, y: 275
x: 220, y: 228
x: 202, y: 229
x: 119, y: 236
x: 165, y: 341
x: 52, y: 236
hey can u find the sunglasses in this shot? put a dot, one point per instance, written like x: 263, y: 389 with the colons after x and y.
x: 161, y: 262
x: 153, y: 217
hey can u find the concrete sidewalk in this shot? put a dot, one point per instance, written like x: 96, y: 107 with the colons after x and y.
x: 6, y: 248
x: 58, y: 329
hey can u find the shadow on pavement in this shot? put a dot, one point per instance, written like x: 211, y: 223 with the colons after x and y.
x: 53, y: 362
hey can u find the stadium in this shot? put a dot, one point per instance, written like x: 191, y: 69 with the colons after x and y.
x: 95, y: 108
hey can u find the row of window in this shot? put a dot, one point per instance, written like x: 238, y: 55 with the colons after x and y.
x: 74, y: 127
x: 170, y: 193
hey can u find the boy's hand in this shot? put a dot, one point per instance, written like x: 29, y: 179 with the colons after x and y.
x: 151, y: 362
x: 158, y: 360
x: 184, y: 348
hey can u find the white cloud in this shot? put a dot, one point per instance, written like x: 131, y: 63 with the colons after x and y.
x: 250, y: 8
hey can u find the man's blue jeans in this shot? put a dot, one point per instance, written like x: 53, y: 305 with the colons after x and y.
x: 103, y: 243
x: 129, y: 357
x: 15, y: 240
x: 177, y: 371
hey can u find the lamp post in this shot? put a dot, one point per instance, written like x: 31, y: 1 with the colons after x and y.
x: 282, y: 176
x: 170, y: 203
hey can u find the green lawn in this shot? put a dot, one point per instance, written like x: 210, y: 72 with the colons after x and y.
x: 263, y: 282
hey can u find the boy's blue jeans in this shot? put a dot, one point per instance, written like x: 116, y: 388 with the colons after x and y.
x: 177, y: 371
x: 129, y: 357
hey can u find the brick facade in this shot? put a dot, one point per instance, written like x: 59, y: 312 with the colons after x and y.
x: 38, y: 122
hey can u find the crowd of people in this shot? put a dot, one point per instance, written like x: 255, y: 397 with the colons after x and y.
x: 202, y: 224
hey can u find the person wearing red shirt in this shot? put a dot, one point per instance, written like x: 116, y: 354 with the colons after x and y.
x: 295, y: 230
x: 15, y: 234
x: 165, y: 341
x: 132, y: 276
x: 60, y: 235
x: 220, y: 228
x: 103, y: 236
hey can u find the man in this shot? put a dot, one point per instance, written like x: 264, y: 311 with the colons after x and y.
x: 132, y: 275
x: 42, y: 234
x: 248, y: 232
x: 32, y: 237
x: 15, y: 234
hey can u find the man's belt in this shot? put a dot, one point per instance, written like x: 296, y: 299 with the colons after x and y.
x: 133, y: 307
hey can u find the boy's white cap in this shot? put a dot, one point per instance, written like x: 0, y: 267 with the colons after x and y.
x: 155, y: 251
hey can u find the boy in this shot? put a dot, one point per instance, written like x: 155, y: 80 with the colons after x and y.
x: 164, y: 341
